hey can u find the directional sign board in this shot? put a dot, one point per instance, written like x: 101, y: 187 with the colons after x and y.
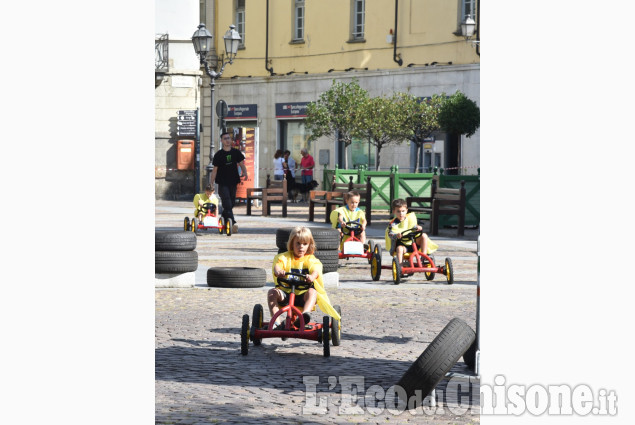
x: 186, y: 124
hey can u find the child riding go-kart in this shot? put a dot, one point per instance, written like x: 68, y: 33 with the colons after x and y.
x: 413, y: 262
x: 294, y: 324
x: 210, y: 221
x: 352, y: 247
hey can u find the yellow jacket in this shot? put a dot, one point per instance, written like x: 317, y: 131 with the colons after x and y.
x: 399, y: 227
x: 305, y: 265
x: 203, y: 197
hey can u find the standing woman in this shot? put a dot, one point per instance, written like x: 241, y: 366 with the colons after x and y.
x: 278, y: 165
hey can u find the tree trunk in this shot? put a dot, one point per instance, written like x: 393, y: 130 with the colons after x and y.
x: 378, y: 157
x: 417, y: 155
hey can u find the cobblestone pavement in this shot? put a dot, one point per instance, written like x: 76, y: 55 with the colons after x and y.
x: 202, y: 378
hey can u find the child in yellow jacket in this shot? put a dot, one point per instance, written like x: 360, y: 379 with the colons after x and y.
x: 402, y: 221
x: 300, y: 259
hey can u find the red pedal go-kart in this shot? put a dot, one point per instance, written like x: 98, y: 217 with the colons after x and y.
x: 413, y: 262
x: 210, y: 221
x: 330, y: 330
x: 354, y: 248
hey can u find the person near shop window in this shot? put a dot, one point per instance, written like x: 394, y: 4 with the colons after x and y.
x: 278, y: 165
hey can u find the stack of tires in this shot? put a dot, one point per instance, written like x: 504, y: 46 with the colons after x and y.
x: 174, y: 252
x: 327, y: 242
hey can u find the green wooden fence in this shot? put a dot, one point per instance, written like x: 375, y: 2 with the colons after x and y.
x: 390, y: 185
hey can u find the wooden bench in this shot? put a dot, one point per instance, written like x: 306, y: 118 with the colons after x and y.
x: 275, y: 192
x: 335, y: 198
x: 443, y: 201
x: 318, y: 197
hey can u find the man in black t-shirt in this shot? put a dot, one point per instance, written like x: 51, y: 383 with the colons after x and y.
x: 226, y: 162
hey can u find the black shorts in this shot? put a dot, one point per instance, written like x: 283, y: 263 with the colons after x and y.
x: 409, y: 248
x: 299, y: 300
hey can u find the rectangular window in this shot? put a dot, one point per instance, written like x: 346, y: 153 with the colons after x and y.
x: 240, y: 21
x: 294, y: 137
x: 359, y: 7
x: 468, y: 7
x: 299, y: 20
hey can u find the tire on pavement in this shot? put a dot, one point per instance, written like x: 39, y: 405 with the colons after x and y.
x: 437, y: 359
x: 236, y: 277
x: 329, y: 259
x: 175, y: 261
x: 325, y: 238
x: 174, y: 241
x: 469, y: 357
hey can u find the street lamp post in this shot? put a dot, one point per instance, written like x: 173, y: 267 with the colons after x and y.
x: 202, y: 41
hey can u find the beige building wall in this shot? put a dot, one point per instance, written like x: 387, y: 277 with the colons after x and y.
x: 434, y: 58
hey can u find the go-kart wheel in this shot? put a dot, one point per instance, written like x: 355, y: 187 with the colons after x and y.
x: 228, y: 226
x: 257, y: 324
x: 449, y: 273
x: 186, y: 224
x: 377, y: 250
x: 244, y: 336
x: 375, y: 266
x: 221, y: 225
x: 336, y: 327
x: 371, y: 250
x: 396, y: 271
x: 326, y: 335
x: 429, y: 275
x: 194, y: 225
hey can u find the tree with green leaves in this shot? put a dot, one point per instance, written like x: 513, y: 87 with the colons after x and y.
x: 335, y: 113
x: 459, y: 115
x: 421, y: 119
x: 380, y: 122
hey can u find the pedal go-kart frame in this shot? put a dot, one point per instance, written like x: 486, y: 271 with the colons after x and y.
x: 355, y: 228
x: 329, y: 330
x: 210, y: 221
x: 413, y: 262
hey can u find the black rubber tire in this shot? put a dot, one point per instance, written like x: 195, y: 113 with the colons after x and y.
x: 325, y: 238
x: 336, y: 327
x: 228, y: 226
x: 437, y: 359
x: 449, y: 271
x: 221, y: 224
x: 174, y: 241
x: 244, y: 336
x: 371, y: 249
x: 186, y: 224
x: 329, y: 259
x: 194, y: 225
x: 326, y: 335
x: 236, y: 277
x: 375, y: 266
x: 396, y: 271
x: 175, y: 261
x: 469, y: 357
x: 430, y: 276
x: 257, y: 317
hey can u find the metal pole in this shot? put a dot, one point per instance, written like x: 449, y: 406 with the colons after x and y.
x: 210, y: 166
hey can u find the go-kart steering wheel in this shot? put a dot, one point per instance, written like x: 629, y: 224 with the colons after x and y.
x: 411, y: 234
x: 208, y: 205
x: 352, y: 226
x: 296, y: 279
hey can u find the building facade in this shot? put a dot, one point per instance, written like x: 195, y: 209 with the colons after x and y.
x: 177, y: 94
x: 292, y: 51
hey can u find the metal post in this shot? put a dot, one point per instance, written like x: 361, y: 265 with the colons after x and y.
x: 210, y: 166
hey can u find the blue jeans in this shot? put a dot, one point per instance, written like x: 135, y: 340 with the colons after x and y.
x: 278, y: 176
x: 307, y: 179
